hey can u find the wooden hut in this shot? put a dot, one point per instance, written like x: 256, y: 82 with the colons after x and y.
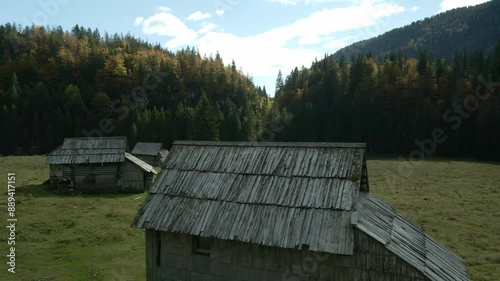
x: 281, y: 211
x: 151, y: 153
x: 98, y: 165
x: 136, y: 175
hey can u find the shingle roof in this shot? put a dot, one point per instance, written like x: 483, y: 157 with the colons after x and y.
x: 163, y: 156
x: 147, y: 148
x: 285, y: 195
x: 408, y: 240
x: 143, y: 165
x: 89, y: 150
x: 275, y: 194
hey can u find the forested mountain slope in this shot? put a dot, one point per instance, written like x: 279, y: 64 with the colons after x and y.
x: 56, y: 84
x: 396, y: 104
x: 457, y: 31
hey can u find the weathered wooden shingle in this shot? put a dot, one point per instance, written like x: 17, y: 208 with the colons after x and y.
x: 285, y: 195
x: 89, y: 151
x: 275, y: 194
x: 147, y: 148
x: 408, y: 240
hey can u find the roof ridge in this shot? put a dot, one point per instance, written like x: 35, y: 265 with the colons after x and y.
x: 95, y: 138
x: 273, y: 144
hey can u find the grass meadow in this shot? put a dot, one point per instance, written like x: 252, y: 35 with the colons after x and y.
x: 88, y: 237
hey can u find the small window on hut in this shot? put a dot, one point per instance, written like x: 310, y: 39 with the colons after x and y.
x: 202, y: 245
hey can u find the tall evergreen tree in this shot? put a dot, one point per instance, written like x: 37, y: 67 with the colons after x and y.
x: 279, y: 85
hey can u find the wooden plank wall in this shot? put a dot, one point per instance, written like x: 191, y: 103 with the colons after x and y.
x: 151, y: 253
x: 131, y: 178
x: 151, y: 160
x: 148, y: 180
x: 96, y: 178
x: 245, y: 262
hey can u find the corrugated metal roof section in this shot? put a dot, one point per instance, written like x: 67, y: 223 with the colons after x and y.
x: 408, y: 240
x: 143, y: 165
x: 322, y: 229
x: 147, y: 148
x: 287, y: 160
x: 89, y: 150
x: 274, y: 194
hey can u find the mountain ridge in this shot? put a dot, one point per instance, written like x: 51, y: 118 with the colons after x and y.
x: 459, y: 30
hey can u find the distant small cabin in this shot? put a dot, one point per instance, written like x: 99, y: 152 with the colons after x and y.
x: 98, y: 165
x: 281, y: 211
x: 151, y: 153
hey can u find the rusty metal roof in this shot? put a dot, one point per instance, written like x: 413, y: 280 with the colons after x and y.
x: 275, y: 194
x: 147, y: 148
x: 89, y: 150
x: 408, y: 240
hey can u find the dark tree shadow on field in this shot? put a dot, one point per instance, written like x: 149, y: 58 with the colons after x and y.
x: 45, y: 190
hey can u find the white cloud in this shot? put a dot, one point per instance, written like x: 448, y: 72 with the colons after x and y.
x: 253, y: 54
x: 452, y: 4
x: 285, y: 2
x: 307, y: 2
x: 164, y: 9
x: 335, y: 44
x: 198, y: 15
x: 340, y: 19
x: 182, y: 40
x: 220, y: 12
x: 206, y: 27
x: 138, y: 20
x: 167, y: 24
x: 264, y: 54
x: 309, y: 40
x: 284, y: 47
x: 415, y: 8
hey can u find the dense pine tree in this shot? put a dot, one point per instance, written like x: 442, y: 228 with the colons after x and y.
x: 56, y: 84
x: 394, y: 103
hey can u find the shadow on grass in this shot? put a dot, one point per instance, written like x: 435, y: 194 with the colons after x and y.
x: 44, y: 190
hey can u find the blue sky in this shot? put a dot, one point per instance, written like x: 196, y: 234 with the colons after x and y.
x: 262, y: 36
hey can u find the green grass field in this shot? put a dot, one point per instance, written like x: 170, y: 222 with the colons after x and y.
x: 88, y: 237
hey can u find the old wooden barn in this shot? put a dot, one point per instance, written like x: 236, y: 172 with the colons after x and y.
x: 98, y: 165
x: 281, y: 211
x: 151, y: 153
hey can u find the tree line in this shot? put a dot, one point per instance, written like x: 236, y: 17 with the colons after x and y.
x: 56, y: 84
x: 396, y: 103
